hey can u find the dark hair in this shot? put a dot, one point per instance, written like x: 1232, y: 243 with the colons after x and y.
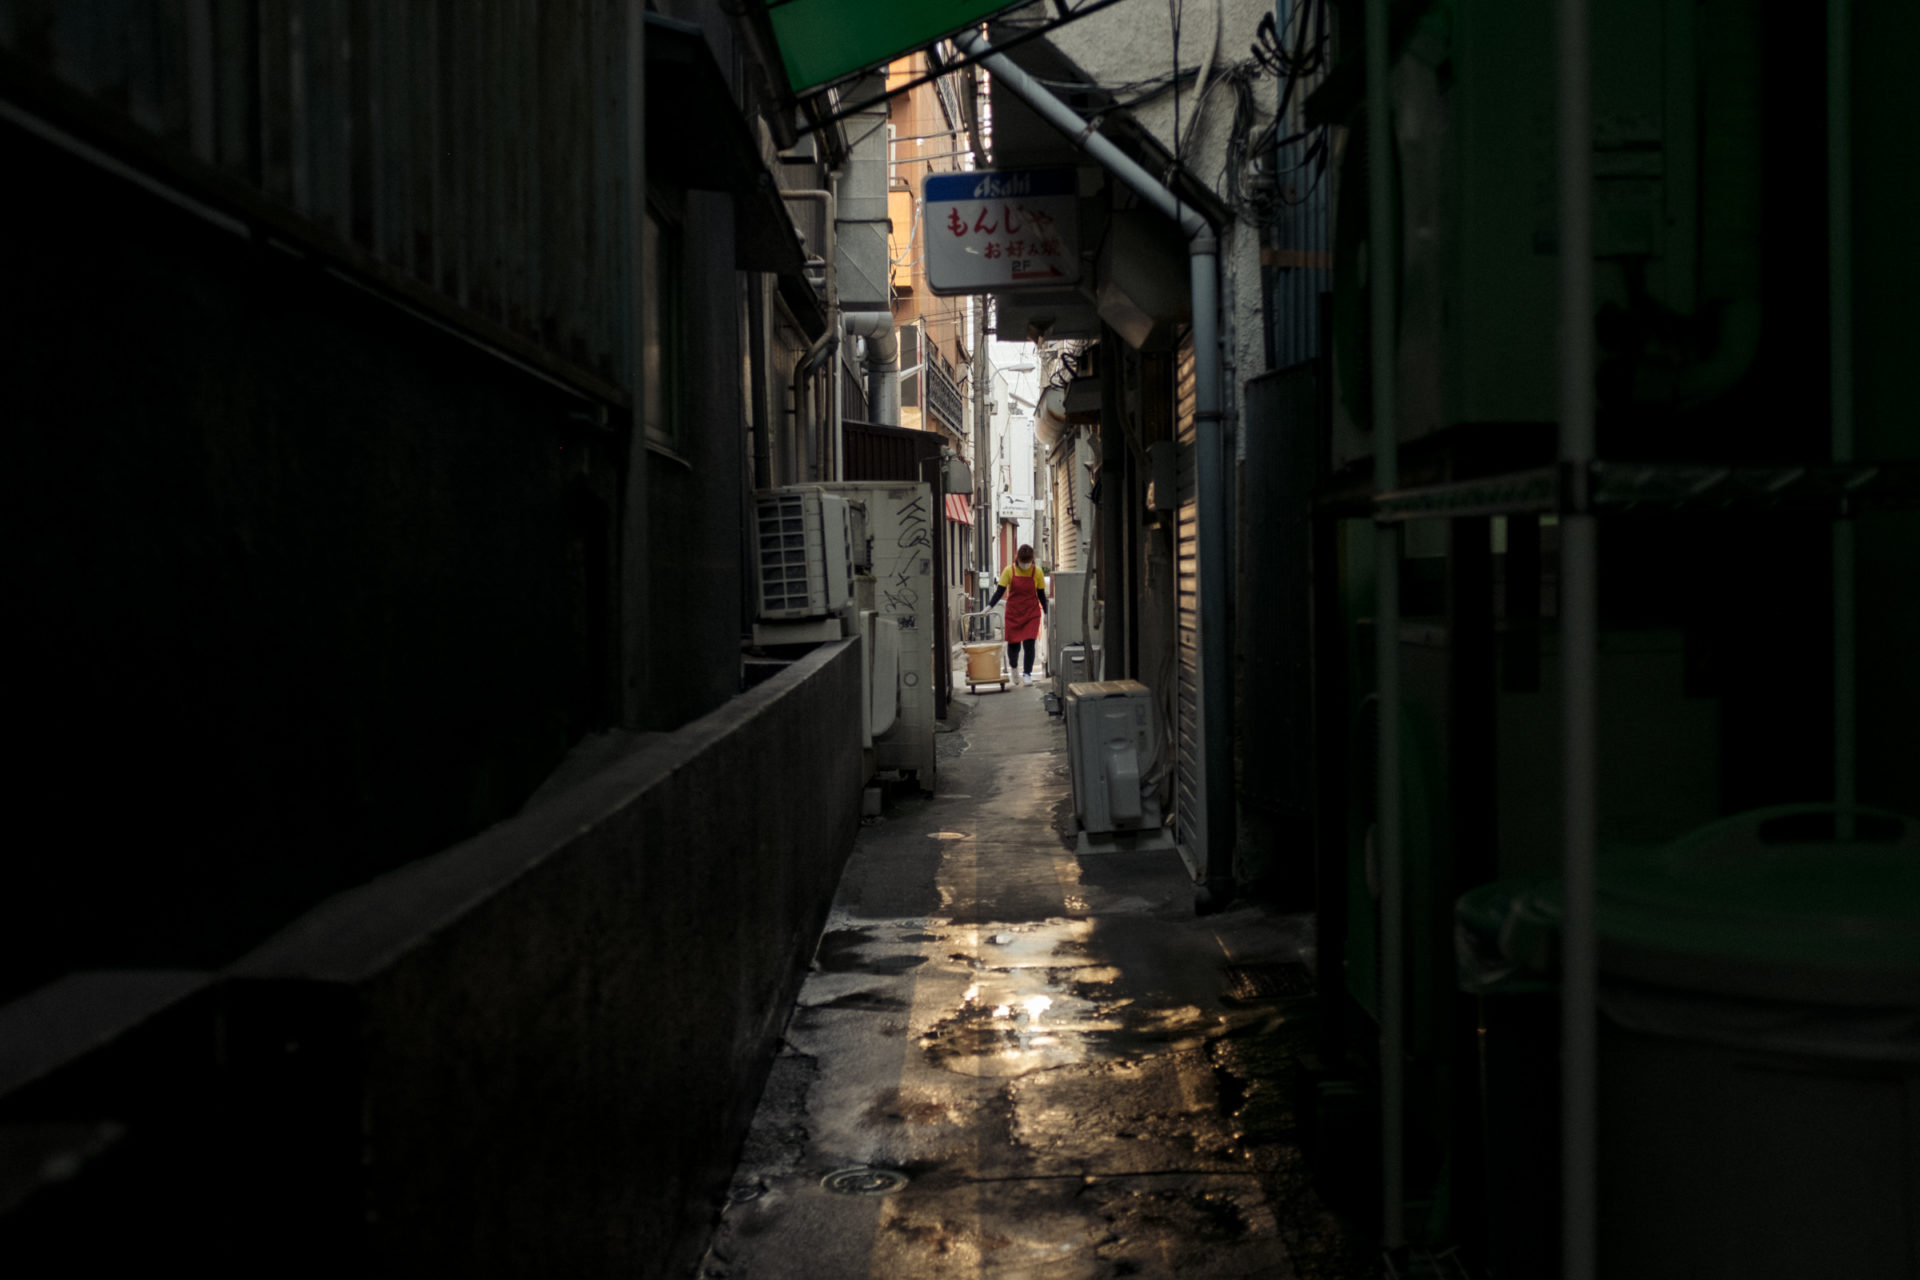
x: 1024, y: 553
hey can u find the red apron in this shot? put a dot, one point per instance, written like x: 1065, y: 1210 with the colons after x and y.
x: 1023, y: 607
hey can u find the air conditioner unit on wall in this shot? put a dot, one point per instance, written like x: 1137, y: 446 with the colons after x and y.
x: 1076, y: 663
x: 1111, y: 745
x: 803, y: 556
x: 1067, y: 588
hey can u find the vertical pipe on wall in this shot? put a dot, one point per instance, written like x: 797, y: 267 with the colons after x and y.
x: 759, y: 416
x: 819, y: 460
x: 1579, y: 624
x: 634, y: 630
x: 1212, y: 466
x: 821, y: 353
x: 834, y: 437
x: 1386, y: 635
x: 983, y: 446
x: 1203, y: 267
x: 1840, y: 353
x: 837, y: 434
x: 1117, y: 493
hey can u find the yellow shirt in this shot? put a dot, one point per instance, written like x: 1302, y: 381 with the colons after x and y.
x: 1039, y: 579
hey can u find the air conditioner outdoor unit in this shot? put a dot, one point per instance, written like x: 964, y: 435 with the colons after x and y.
x: 1111, y: 746
x: 1075, y: 664
x: 1066, y: 621
x: 803, y: 564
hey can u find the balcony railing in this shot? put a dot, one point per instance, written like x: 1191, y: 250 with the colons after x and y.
x: 943, y: 394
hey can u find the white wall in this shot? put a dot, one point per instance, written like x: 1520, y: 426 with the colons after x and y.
x: 1013, y: 396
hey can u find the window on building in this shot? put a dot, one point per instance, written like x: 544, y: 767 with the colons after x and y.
x: 909, y: 358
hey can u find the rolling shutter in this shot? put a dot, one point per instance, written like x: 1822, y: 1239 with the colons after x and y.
x: 1190, y: 819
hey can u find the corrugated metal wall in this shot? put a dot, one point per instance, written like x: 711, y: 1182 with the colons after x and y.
x: 876, y: 452
x: 1070, y: 476
x: 477, y: 151
x: 1066, y: 521
x: 1190, y: 818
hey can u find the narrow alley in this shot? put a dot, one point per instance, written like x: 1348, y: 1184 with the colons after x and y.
x: 1012, y: 1061
x: 511, y: 507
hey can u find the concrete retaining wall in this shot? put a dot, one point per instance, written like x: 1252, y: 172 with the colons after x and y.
x: 536, y: 1052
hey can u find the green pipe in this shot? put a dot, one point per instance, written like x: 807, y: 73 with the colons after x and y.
x: 1579, y: 648
x: 1381, y: 235
x: 1840, y: 350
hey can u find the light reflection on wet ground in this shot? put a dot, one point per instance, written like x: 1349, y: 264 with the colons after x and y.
x: 1051, y: 1080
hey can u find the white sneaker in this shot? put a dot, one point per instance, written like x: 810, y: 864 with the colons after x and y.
x: 1028, y: 677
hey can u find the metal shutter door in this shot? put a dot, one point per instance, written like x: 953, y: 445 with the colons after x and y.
x: 1190, y: 818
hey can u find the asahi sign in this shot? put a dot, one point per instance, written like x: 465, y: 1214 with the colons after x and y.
x: 1001, y: 229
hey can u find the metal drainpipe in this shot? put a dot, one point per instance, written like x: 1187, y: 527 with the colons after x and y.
x: 1386, y: 634
x: 635, y: 634
x: 862, y: 238
x: 836, y: 468
x: 883, y: 363
x: 983, y: 448
x: 1203, y: 250
x: 819, y: 463
x: 1840, y: 351
x: 757, y: 381
x: 1579, y: 624
x: 826, y: 346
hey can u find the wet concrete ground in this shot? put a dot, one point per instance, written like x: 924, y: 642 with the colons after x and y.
x: 1013, y: 1061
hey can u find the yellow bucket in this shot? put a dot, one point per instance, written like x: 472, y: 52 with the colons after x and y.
x: 983, y: 661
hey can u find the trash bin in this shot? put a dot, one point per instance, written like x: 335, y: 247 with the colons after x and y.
x: 1759, y: 1047
x: 1519, y: 1080
x: 983, y: 662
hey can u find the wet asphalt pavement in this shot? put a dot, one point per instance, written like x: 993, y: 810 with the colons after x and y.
x: 1012, y: 1061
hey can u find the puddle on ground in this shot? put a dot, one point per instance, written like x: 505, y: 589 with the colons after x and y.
x: 842, y: 951
x: 912, y: 1106
x: 1045, y: 944
x: 1007, y: 1027
x: 1248, y: 1068
x: 871, y: 1001
x: 1039, y: 999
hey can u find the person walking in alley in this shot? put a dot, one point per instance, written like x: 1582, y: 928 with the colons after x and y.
x: 1025, y: 588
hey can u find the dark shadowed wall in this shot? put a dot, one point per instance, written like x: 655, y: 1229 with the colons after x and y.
x: 533, y: 1054
x: 315, y: 585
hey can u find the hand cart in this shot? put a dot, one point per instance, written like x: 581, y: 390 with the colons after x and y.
x: 984, y: 648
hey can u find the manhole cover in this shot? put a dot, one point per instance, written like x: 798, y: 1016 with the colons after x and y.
x: 863, y: 1180
x: 1279, y: 981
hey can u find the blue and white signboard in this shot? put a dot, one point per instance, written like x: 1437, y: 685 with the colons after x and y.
x: 990, y: 230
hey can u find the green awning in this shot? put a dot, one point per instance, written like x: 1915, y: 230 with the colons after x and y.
x: 822, y: 40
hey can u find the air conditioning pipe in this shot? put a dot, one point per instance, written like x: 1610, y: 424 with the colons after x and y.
x: 1203, y: 259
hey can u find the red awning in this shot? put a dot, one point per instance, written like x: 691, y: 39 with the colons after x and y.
x: 959, y: 508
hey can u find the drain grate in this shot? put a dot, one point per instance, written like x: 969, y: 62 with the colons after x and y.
x: 864, y: 1180
x: 1279, y: 980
